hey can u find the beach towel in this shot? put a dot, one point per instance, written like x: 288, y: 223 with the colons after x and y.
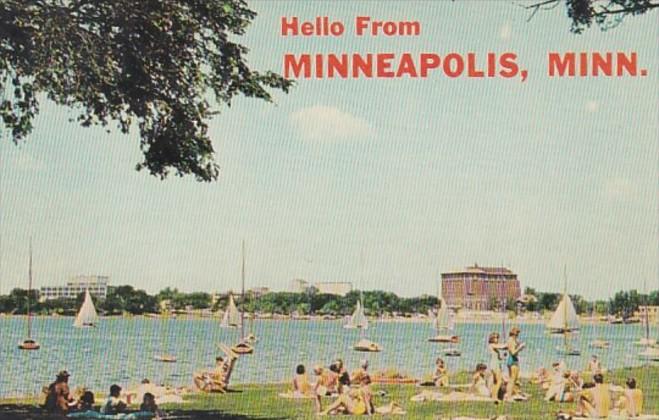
x: 294, y: 395
x: 451, y: 397
x: 391, y: 408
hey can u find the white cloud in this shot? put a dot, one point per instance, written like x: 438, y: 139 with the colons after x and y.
x: 506, y: 31
x: 329, y: 124
x: 592, y: 106
x: 619, y: 189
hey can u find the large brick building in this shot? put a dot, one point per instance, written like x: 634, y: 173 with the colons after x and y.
x: 478, y: 288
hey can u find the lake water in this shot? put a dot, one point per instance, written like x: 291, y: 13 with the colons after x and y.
x: 122, y: 350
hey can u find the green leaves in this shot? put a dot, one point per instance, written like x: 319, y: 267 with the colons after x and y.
x: 132, y: 62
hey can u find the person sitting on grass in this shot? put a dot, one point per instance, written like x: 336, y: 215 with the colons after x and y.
x: 149, y: 405
x: 360, y: 372
x: 326, y: 384
x: 478, y: 382
x: 562, y: 388
x: 217, y: 380
x: 595, y: 399
x: 630, y: 403
x: 301, y: 385
x: 114, y: 404
x: 440, y: 377
x: 356, y: 402
x: 58, y: 395
x: 86, y: 402
x: 85, y: 407
x: 594, y: 365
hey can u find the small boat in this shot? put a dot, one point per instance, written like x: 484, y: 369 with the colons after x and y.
x: 649, y: 354
x: 359, y: 321
x: 234, y: 318
x: 565, y: 322
x: 231, y: 318
x: 568, y: 351
x: 87, y: 316
x: 452, y: 352
x: 600, y: 344
x: 165, y: 358
x: 242, y: 348
x: 443, y: 323
x: 565, y: 319
x: 29, y: 343
x: 251, y: 338
x: 616, y: 321
x: 367, y: 345
x: 646, y: 341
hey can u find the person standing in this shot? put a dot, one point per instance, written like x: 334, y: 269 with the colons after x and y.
x: 514, y: 347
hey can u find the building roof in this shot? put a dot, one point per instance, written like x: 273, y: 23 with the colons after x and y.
x: 476, y: 269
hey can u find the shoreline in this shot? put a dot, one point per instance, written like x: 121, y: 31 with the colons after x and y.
x: 480, y: 318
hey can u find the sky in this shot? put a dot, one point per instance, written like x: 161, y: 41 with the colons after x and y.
x: 384, y: 183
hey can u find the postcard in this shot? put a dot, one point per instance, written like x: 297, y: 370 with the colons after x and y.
x: 261, y: 209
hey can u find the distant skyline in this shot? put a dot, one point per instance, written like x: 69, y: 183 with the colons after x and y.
x: 421, y: 176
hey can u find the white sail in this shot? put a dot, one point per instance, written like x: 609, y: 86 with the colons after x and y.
x: 358, y: 318
x: 565, y: 317
x: 87, y: 315
x: 231, y: 317
x: 443, y: 319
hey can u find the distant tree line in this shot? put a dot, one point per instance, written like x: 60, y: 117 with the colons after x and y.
x: 623, y: 303
x: 127, y: 299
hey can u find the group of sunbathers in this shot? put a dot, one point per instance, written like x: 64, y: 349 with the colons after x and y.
x: 488, y: 381
x: 594, y: 399
x: 60, y: 400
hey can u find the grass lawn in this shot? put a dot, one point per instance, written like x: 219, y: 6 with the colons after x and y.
x: 262, y: 402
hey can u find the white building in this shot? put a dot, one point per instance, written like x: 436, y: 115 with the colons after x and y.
x: 97, y: 286
x: 339, y: 288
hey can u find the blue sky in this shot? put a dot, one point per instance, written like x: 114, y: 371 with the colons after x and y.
x: 424, y: 175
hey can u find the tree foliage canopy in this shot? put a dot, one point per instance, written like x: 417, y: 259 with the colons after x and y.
x: 605, y: 13
x: 153, y: 64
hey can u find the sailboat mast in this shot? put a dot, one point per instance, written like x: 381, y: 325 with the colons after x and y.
x: 565, y: 331
x: 29, y: 289
x: 647, y: 319
x: 242, y: 300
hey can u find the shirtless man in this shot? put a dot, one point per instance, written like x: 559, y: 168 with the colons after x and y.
x: 327, y: 383
x: 58, y: 398
x: 595, y: 401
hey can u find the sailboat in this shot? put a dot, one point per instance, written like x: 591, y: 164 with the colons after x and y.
x: 87, y: 316
x: 231, y: 318
x: 359, y: 320
x: 651, y: 352
x: 565, y: 322
x: 443, y: 324
x: 29, y: 343
x: 646, y: 341
x: 235, y: 317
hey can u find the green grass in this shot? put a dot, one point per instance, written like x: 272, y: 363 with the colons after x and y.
x: 262, y: 401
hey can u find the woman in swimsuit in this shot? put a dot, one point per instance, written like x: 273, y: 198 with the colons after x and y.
x: 514, y: 347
